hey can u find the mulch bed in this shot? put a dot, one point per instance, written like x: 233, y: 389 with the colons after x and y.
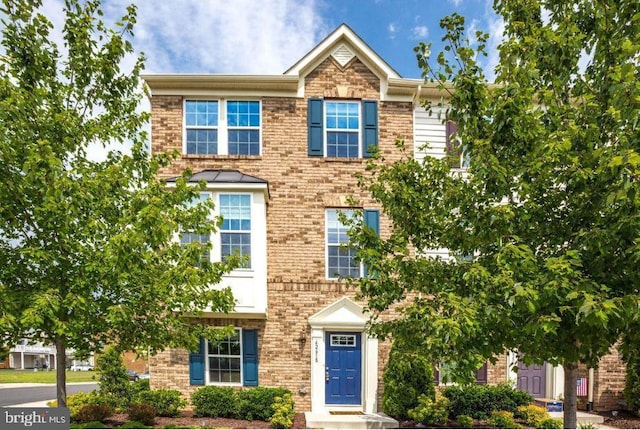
x: 186, y: 419
x: 623, y: 420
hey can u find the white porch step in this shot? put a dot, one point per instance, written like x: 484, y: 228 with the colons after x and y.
x: 364, y: 421
x: 582, y: 417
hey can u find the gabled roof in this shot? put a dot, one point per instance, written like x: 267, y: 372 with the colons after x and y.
x: 343, y: 36
x: 222, y: 176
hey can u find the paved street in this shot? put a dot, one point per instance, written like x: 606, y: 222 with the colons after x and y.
x: 16, y: 394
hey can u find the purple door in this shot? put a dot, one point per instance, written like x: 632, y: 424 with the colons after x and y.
x: 533, y: 379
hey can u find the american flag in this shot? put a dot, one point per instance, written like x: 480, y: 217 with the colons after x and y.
x: 582, y: 386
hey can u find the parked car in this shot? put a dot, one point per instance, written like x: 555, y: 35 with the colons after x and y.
x: 144, y: 375
x: 133, y: 376
x: 80, y: 367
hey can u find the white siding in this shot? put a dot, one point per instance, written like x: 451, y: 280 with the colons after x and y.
x: 428, y: 129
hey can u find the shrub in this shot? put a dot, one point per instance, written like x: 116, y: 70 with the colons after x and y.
x: 256, y: 403
x: 212, y: 401
x: 503, y: 420
x: 283, y: 412
x: 407, y: 376
x: 139, y: 386
x: 166, y: 402
x: 631, y: 357
x: 90, y: 425
x: 464, y: 421
x: 431, y: 412
x: 93, y: 412
x: 114, y: 380
x: 478, y: 401
x: 142, y: 412
x: 76, y: 401
x: 531, y: 415
x: 133, y: 425
x: 550, y: 423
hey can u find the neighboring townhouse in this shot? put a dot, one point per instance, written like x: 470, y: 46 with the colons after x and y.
x: 28, y: 355
x: 280, y: 154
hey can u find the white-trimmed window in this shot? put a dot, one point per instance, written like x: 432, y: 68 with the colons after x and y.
x: 340, y: 259
x: 235, y: 231
x: 231, y: 127
x: 342, y: 126
x: 187, y: 238
x: 201, y: 124
x: 224, y: 360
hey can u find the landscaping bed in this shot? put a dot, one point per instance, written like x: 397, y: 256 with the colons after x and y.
x: 187, y: 419
x: 623, y: 420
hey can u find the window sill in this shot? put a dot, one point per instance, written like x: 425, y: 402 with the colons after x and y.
x: 241, y: 273
x: 221, y: 157
x: 224, y: 384
x: 344, y: 159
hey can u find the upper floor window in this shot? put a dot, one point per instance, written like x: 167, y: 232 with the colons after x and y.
x: 342, y: 121
x: 189, y: 237
x: 201, y: 122
x: 457, y: 156
x: 222, y: 128
x: 243, y: 122
x: 340, y: 128
x: 235, y: 231
x: 341, y: 259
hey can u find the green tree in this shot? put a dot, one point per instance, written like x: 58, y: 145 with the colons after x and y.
x: 88, y: 255
x: 548, y: 209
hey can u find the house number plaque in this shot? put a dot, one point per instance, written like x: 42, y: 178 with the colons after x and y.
x: 316, y: 346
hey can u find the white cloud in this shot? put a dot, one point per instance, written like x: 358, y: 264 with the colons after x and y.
x: 221, y: 36
x: 456, y: 3
x: 392, y: 30
x: 420, y: 32
x: 495, y: 26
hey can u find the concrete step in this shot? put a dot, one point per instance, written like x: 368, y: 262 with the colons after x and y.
x: 364, y: 421
x: 582, y: 417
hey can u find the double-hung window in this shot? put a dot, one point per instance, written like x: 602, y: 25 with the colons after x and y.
x: 341, y: 259
x: 229, y: 361
x: 342, y: 128
x: 243, y: 127
x: 342, y: 122
x: 201, y: 121
x: 218, y: 127
x: 235, y: 232
x: 188, y: 237
x: 225, y: 360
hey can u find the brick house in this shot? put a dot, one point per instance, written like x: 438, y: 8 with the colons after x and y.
x: 279, y: 154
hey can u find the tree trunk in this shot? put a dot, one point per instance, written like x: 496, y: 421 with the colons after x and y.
x: 61, y: 376
x: 570, y: 395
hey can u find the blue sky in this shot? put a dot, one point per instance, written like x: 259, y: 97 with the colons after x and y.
x: 268, y: 36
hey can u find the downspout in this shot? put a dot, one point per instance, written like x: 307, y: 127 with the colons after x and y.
x: 416, y: 97
x: 590, y: 390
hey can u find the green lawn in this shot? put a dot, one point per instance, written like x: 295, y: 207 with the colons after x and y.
x: 29, y: 376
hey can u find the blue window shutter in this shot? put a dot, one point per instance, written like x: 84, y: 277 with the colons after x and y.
x: 371, y: 220
x: 250, y: 358
x: 315, y: 122
x: 369, y: 126
x: 196, y: 365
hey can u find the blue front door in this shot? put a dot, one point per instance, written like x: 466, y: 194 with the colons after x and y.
x: 343, y: 373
